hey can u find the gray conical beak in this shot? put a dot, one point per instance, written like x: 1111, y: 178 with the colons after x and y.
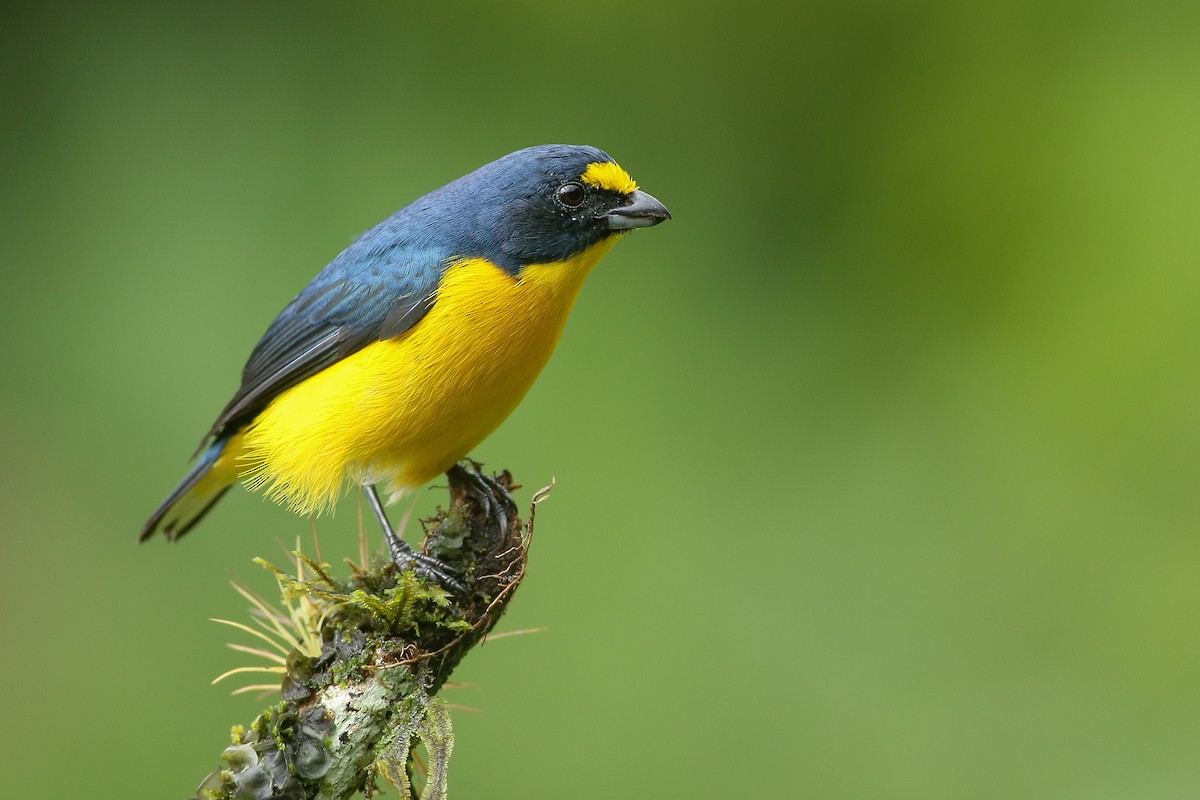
x: 642, y: 211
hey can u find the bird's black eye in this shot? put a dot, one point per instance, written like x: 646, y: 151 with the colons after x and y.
x: 571, y: 194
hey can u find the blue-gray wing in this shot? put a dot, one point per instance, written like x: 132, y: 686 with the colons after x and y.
x: 365, y: 295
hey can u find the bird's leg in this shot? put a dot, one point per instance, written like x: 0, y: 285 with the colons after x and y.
x: 401, y: 550
x: 403, y: 553
x: 493, y: 499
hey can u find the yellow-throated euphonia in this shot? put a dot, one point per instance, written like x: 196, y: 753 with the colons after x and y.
x: 418, y: 340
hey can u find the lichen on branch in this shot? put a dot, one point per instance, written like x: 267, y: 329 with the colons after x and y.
x: 365, y: 658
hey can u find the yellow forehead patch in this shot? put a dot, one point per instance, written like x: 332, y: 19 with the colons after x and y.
x: 607, y: 175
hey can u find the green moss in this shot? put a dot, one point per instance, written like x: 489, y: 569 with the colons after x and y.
x: 357, y: 693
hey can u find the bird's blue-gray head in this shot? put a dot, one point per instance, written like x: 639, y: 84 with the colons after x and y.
x: 537, y: 205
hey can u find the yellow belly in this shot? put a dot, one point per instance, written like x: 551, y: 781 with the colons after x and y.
x: 404, y: 410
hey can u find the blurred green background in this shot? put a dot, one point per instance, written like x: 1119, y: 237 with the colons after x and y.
x: 877, y: 465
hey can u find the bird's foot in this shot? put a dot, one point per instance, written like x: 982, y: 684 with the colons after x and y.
x: 489, y: 493
x: 405, y: 557
x: 424, y: 565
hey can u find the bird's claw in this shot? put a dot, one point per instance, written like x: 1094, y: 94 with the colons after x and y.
x: 406, y: 558
x: 491, y: 496
x: 424, y: 565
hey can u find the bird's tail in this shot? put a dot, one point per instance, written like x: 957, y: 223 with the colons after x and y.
x: 196, y: 494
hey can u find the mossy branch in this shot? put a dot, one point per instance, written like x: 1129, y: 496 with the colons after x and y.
x: 365, y: 658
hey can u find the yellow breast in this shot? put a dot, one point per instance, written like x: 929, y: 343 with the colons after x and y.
x: 405, y: 410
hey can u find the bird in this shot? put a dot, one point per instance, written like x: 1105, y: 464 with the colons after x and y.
x: 416, y: 342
